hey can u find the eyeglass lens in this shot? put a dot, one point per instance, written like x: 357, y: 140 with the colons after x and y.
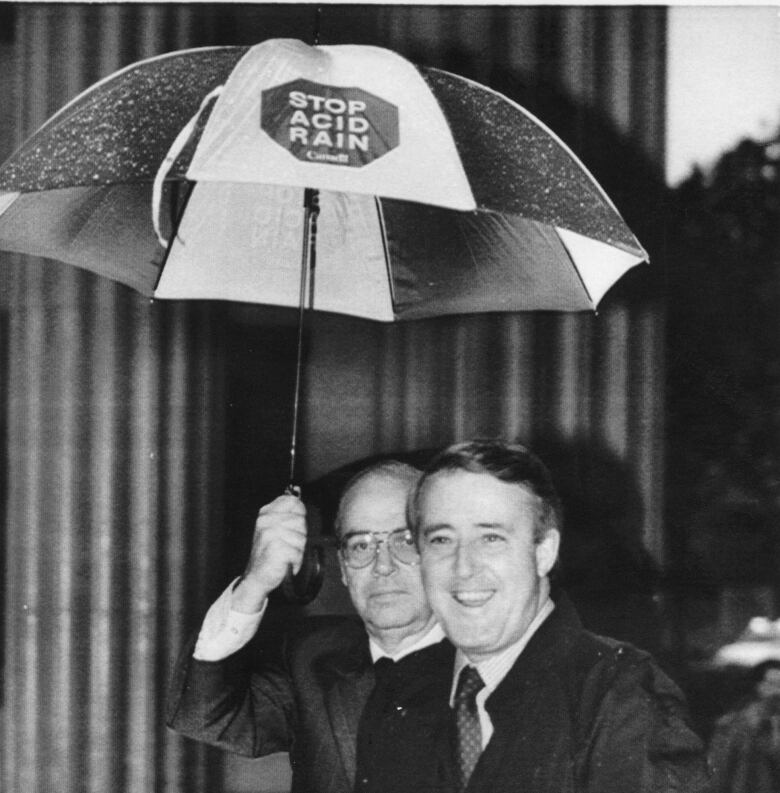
x: 361, y: 549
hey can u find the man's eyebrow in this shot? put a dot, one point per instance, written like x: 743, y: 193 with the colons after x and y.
x: 447, y: 526
x: 435, y: 527
x: 359, y: 532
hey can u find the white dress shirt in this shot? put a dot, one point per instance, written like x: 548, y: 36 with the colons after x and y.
x: 225, y: 631
x: 494, y: 669
x: 434, y: 635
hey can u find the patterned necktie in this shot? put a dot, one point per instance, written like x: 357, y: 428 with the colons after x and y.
x: 467, y: 720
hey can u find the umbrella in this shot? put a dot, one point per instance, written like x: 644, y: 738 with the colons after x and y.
x: 339, y: 178
x: 510, y: 219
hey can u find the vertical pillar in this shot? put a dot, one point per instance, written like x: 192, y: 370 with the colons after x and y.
x: 114, y: 468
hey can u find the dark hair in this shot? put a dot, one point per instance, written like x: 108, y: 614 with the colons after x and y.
x: 507, y: 462
x: 384, y: 469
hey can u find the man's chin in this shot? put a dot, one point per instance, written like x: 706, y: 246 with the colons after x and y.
x: 475, y: 648
x: 466, y: 630
x: 386, y: 619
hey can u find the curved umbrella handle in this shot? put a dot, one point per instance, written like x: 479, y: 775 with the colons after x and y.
x: 303, y: 587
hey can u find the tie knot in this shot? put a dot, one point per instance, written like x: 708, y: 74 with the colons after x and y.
x: 469, y: 685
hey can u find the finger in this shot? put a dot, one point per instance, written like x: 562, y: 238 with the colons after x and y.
x: 272, y: 525
x: 276, y: 556
x: 281, y: 546
x: 284, y: 504
x: 281, y: 538
x: 291, y: 558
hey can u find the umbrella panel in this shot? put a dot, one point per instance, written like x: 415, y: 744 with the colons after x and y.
x: 107, y: 230
x: 119, y: 129
x: 519, y: 166
x: 470, y: 262
x: 242, y: 242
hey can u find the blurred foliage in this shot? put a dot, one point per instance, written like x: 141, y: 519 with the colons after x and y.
x: 723, y: 250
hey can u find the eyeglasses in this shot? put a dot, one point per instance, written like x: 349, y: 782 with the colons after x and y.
x: 359, y: 549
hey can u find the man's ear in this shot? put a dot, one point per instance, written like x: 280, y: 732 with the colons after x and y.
x: 343, y: 569
x: 547, y: 552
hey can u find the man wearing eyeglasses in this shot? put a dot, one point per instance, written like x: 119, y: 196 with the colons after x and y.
x: 356, y: 703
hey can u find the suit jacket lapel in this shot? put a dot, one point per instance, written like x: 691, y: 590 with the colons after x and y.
x: 520, y: 713
x: 517, y: 744
x: 348, y: 679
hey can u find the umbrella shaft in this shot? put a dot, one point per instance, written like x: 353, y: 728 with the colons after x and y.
x: 311, y: 207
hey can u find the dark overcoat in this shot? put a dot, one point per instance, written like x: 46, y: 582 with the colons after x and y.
x: 579, y: 713
x: 308, y: 700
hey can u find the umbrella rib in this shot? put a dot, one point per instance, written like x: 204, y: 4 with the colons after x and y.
x: 176, y: 221
x: 176, y: 148
x: 385, y: 250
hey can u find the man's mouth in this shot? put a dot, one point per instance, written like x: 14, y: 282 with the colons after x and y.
x: 386, y: 595
x: 473, y: 598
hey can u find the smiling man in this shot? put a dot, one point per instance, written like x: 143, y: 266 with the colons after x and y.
x: 538, y: 703
x: 356, y: 702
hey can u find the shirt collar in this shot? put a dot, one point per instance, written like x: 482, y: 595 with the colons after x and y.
x: 434, y: 635
x: 493, y: 670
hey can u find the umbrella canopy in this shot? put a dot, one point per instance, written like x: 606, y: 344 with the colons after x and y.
x: 183, y: 176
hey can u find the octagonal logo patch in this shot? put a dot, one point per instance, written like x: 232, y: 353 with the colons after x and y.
x: 329, y: 124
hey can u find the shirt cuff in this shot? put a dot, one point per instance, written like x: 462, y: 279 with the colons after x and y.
x: 225, y: 631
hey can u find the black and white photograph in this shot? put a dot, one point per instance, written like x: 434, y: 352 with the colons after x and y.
x: 389, y: 397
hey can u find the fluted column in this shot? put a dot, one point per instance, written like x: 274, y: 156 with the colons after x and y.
x: 114, y: 458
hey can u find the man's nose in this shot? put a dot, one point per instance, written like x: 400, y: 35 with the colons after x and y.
x: 384, y: 564
x: 465, y: 559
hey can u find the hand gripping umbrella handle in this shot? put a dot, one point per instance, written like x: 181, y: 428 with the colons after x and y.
x: 304, y: 586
